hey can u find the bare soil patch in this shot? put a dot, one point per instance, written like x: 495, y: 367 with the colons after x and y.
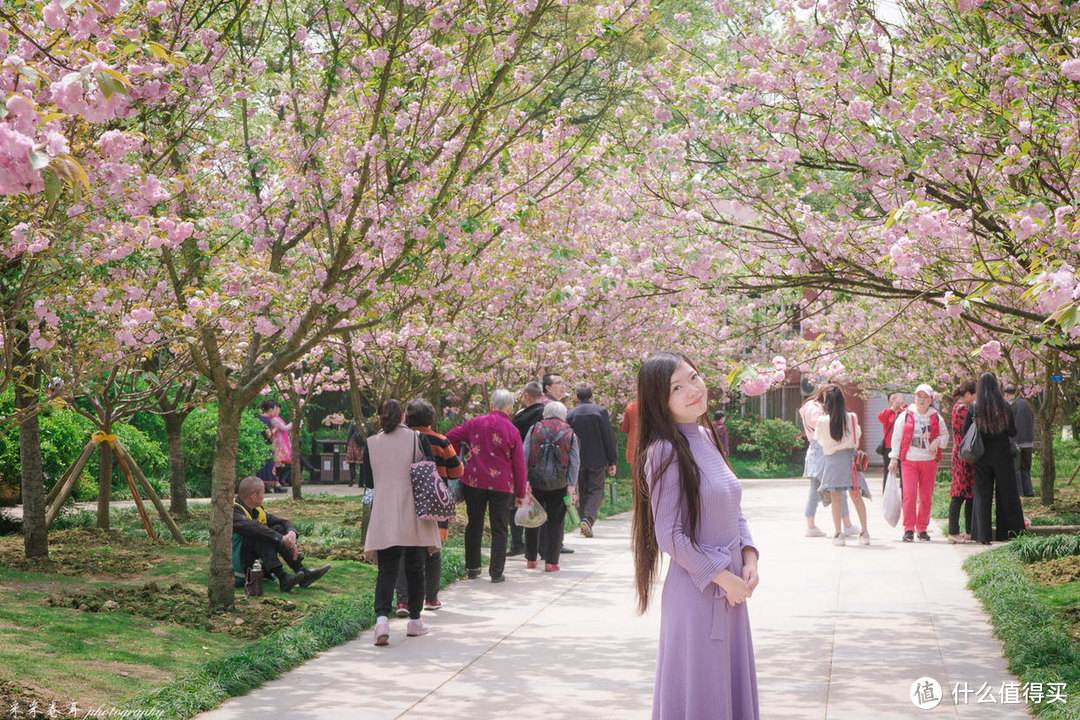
x: 1056, y: 572
x: 251, y: 618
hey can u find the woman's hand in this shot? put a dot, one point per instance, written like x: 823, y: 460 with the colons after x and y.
x: 892, y: 466
x: 734, y: 587
x: 750, y: 570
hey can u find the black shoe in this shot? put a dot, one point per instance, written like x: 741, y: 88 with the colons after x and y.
x: 909, y: 536
x: 515, y: 550
x: 473, y: 574
x: 498, y: 578
x: 287, y: 581
x: 312, y: 575
x: 566, y: 551
x: 924, y: 536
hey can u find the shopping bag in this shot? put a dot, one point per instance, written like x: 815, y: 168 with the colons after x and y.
x: 890, y: 503
x: 531, y: 514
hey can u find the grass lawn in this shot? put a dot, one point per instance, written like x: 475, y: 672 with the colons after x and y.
x: 112, y: 619
x: 1031, y: 588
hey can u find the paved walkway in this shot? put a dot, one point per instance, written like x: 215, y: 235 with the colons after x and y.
x: 841, y: 633
x: 312, y: 490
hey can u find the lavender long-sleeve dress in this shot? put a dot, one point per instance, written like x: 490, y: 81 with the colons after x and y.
x: 705, y: 665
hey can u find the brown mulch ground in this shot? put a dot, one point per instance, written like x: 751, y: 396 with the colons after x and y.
x: 251, y: 618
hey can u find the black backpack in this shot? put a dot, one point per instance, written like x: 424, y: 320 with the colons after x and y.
x: 546, y: 469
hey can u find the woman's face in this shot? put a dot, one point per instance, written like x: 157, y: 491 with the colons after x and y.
x: 922, y: 402
x: 688, y: 397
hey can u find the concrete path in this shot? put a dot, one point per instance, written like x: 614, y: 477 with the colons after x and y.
x: 313, y: 490
x: 840, y: 633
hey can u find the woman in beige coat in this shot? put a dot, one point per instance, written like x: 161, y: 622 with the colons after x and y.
x: 395, y: 530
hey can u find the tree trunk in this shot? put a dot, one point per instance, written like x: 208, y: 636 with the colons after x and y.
x: 104, y: 483
x: 35, y: 533
x: 296, y: 476
x: 1047, y: 416
x: 174, y: 422
x: 221, y: 590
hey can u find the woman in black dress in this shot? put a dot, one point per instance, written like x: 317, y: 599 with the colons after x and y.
x: 994, y: 470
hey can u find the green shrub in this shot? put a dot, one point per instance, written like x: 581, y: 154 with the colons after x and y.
x: 64, y: 434
x: 739, y: 431
x: 199, y: 436
x: 774, y: 440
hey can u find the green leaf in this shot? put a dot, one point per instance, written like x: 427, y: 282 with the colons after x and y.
x: 109, y: 85
x: 53, y: 186
x: 38, y: 161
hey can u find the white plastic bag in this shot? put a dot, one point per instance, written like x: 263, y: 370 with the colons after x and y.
x: 890, y: 504
x: 531, y: 514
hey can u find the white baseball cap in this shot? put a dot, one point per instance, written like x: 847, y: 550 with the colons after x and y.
x: 924, y: 388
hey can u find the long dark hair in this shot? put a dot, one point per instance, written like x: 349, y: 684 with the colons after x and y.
x: 656, y: 424
x: 836, y: 409
x: 991, y: 410
x: 390, y: 415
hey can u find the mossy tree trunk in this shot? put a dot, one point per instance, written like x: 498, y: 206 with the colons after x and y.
x: 221, y: 589
x: 35, y: 533
x: 174, y: 423
x: 105, y: 482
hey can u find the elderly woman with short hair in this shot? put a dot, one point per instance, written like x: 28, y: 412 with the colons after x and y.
x: 555, y: 430
x: 494, y: 480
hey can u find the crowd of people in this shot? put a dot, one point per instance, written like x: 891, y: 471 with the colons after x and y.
x: 914, y: 437
x: 556, y: 458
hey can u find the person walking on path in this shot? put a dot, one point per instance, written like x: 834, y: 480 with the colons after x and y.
x: 420, y: 417
x: 494, y: 480
x: 531, y: 412
x: 811, y: 410
x: 552, y: 462
x: 838, y: 432
x: 596, y: 436
x: 919, y: 435
x: 687, y: 504
x: 963, y: 473
x: 994, y: 477
x: 395, y: 530
x: 887, y: 417
x: 1024, y: 419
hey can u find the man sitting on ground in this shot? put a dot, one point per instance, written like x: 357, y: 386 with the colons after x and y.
x: 258, y: 535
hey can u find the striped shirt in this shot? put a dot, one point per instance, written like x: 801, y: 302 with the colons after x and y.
x: 446, y: 458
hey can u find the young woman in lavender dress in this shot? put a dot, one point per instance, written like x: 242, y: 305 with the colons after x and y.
x: 687, y: 505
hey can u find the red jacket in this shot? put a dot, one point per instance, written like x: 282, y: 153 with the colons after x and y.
x: 887, y: 417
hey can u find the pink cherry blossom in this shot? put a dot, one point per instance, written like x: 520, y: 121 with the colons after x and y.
x: 991, y: 351
x: 1071, y: 69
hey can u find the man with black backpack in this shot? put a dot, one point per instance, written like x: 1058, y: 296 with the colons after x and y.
x: 552, y: 457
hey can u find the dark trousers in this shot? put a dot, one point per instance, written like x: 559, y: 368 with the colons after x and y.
x: 954, y: 514
x: 432, y: 576
x: 267, y: 554
x: 552, y: 502
x: 389, y: 559
x: 1023, y: 475
x: 590, y: 488
x: 517, y: 534
x: 497, y: 507
x: 996, y: 481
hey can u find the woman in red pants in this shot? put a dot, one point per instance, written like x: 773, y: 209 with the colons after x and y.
x: 919, y: 436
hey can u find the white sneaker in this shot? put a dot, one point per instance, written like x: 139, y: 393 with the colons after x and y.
x: 864, y: 538
x: 851, y: 530
x: 416, y: 627
x: 382, y: 631
x: 838, y: 539
x: 814, y: 531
